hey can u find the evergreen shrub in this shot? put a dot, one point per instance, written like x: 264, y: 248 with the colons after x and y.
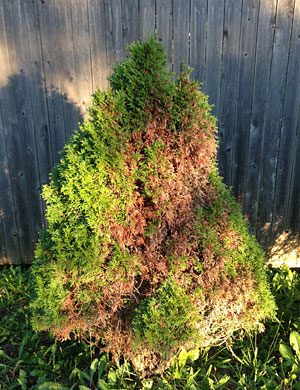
x: 145, y: 248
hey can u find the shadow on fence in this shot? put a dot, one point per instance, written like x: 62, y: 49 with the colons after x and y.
x: 36, y: 122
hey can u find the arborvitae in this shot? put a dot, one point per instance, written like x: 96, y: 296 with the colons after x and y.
x: 145, y: 248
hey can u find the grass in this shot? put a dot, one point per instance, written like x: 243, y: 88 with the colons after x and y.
x: 30, y: 360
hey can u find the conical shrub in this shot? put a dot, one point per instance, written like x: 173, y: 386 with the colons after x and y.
x: 145, y: 248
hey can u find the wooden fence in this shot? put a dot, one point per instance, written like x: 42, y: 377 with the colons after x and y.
x: 54, y: 53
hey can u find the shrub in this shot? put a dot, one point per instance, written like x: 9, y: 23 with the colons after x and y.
x: 145, y: 248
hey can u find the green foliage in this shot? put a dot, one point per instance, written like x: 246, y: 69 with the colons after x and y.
x: 165, y: 321
x: 88, y: 190
x: 136, y: 203
x: 145, y: 80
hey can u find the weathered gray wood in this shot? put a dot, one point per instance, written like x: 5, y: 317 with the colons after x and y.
x: 69, y: 81
x: 181, y: 13
x: 114, y: 33
x: 3, y: 255
x: 164, y: 26
x: 51, y: 30
x: 9, y: 232
x: 30, y: 52
x: 82, y: 54
x: 267, y: 14
x: 97, y: 23
x: 293, y: 218
x: 130, y: 14
x: 288, y: 139
x: 3, y: 169
x: 33, y: 70
x: 4, y: 185
x: 21, y: 147
x: 293, y: 121
x: 215, y: 20
x: 9, y: 241
x: 229, y: 79
x: 244, y: 97
x: 198, y: 39
x: 273, y: 117
x: 146, y: 18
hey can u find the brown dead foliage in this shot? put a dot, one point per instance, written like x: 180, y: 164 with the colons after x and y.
x: 179, y: 183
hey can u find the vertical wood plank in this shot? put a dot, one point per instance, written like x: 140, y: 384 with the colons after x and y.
x: 9, y: 230
x: 198, y: 39
x: 4, y: 183
x: 51, y: 16
x: 3, y: 255
x: 9, y: 246
x: 288, y: 139
x: 268, y: 167
x: 130, y: 14
x: 82, y: 54
x: 9, y: 242
x: 22, y: 155
x: 164, y: 26
x: 244, y: 97
x: 229, y: 79
x: 97, y: 24
x: 146, y: 18
x: 114, y: 33
x: 293, y: 218
x: 33, y: 71
x: 265, y: 32
x: 215, y: 19
x: 64, y: 65
x: 181, y: 13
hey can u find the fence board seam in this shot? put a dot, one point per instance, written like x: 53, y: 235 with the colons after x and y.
x: 236, y: 97
x: 205, y: 45
x: 222, y: 59
x: 189, y: 37
x: 90, y: 48
x: 44, y: 79
x: 252, y: 99
x: 172, y: 34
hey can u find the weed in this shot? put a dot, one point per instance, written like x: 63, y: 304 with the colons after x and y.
x: 34, y: 360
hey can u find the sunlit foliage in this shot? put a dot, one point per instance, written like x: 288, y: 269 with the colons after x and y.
x: 145, y: 248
